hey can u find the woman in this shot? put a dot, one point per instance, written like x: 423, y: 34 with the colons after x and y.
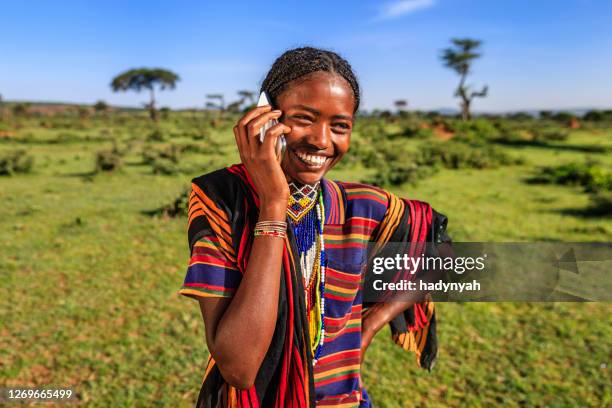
x: 277, y: 251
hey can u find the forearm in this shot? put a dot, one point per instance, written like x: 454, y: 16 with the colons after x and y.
x: 247, y: 325
x: 382, y: 313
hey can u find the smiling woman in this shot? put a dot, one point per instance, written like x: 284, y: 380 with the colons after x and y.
x: 277, y: 251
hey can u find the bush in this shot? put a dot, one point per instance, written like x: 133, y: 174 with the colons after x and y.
x: 108, y: 160
x: 589, y: 174
x: 164, y: 160
x: 171, y: 152
x: 549, y: 134
x: 416, y: 130
x: 601, y: 204
x: 177, y: 208
x: 15, y: 161
x: 156, y: 136
x: 164, y: 166
x: 474, y: 130
x: 409, y: 171
x: 457, y: 155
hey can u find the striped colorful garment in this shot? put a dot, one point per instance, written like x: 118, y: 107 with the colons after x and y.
x: 355, y: 214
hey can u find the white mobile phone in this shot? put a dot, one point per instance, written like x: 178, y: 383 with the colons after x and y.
x: 281, y: 143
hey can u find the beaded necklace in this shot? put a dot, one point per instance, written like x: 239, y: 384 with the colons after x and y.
x: 306, y: 213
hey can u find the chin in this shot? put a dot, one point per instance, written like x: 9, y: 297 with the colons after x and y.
x: 307, y: 178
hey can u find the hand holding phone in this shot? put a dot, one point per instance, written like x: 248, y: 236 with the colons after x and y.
x: 262, y: 160
x: 281, y: 143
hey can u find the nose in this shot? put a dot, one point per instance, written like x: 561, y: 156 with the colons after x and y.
x: 320, y: 137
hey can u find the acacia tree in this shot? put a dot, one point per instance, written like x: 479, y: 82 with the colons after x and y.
x: 220, y: 104
x: 145, y: 78
x: 247, y: 95
x: 460, y: 58
x: 401, y: 105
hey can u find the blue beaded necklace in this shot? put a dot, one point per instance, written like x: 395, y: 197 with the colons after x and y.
x: 306, y: 213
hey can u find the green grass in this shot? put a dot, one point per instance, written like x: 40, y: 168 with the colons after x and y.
x: 89, y: 280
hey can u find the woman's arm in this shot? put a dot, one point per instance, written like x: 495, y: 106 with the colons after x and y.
x: 380, y: 314
x: 239, y: 330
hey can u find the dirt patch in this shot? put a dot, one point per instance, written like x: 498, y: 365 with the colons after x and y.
x: 441, y: 132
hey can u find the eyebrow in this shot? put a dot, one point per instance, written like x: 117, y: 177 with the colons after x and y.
x: 316, y: 112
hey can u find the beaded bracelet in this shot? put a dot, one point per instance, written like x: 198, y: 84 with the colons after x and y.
x: 270, y: 233
x: 280, y: 224
x: 271, y: 228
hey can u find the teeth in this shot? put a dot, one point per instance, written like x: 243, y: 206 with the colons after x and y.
x: 311, y: 159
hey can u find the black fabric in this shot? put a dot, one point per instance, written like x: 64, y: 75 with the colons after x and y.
x: 231, y: 194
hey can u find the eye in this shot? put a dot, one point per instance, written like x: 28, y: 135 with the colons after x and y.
x: 342, y: 126
x: 303, y: 118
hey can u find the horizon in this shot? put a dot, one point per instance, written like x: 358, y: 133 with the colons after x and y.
x: 544, y: 56
x: 448, y: 110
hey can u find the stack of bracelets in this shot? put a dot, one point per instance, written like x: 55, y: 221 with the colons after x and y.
x: 276, y: 229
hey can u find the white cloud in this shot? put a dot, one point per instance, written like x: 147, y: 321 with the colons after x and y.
x: 402, y: 7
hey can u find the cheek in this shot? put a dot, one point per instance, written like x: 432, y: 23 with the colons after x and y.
x: 342, y: 143
x: 295, y: 134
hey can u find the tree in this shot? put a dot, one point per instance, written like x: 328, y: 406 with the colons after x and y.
x: 401, y: 105
x: 100, y: 106
x: 21, y: 109
x: 460, y: 58
x: 246, y: 94
x: 145, y: 78
x: 220, y: 105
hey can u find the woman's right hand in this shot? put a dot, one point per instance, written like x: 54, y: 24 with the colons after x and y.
x: 260, y: 158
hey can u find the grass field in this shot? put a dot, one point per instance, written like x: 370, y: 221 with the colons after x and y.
x: 89, y: 299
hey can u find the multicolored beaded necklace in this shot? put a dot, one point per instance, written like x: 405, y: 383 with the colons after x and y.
x: 306, y: 213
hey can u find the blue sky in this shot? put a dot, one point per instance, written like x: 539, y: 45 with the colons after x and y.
x: 538, y: 54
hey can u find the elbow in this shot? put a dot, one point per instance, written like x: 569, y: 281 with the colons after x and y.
x: 238, y: 375
x: 239, y: 371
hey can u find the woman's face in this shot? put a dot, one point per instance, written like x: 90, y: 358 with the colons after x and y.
x: 319, y: 110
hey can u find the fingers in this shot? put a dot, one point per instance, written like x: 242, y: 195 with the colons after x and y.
x: 252, y: 114
x: 240, y: 132
x: 247, y: 130
x: 240, y: 143
x: 272, y: 135
x: 256, y: 124
x: 248, y: 117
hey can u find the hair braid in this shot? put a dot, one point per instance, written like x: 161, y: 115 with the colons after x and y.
x: 299, y: 62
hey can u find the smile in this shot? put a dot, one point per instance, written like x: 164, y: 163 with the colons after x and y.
x: 310, y: 159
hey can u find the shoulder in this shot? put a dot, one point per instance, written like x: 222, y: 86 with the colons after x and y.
x: 222, y: 185
x: 214, y: 179
x: 364, y: 200
x: 360, y: 192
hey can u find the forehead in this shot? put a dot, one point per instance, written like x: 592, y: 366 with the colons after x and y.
x: 329, y: 93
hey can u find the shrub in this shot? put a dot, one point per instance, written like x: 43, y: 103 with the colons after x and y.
x: 108, y: 160
x: 164, y: 160
x: 416, y: 130
x: 15, y: 161
x: 475, y: 130
x: 164, y: 166
x: 408, y: 171
x: 100, y: 106
x: 456, y: 155
x: 601, y: 204
x: 589, y: 174
x: 171, y: 152
x: 65, y: 138
x: 549, y: 134
x: 156, y: 136
x: 177, y: 208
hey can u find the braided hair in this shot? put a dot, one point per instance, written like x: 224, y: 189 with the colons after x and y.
x: 299, y: 62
